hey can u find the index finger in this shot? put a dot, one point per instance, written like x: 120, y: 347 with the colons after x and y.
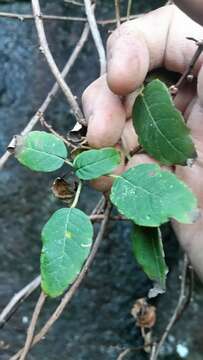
x: 157, y: 39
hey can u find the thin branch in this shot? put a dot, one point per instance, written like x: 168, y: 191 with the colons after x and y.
x: 190, y: 277
x: 39, y: 114
x: 129, y: 9
x: 96, y: 35
x: 100, y: 217
x: 44, y: 48
x: 23, y: 17
x: 188, y: 73
x: 99, y: 206
x: 123, y: 354
x: 153, y: 351
x: 114, y: 21
x: 117, y: 11
x: 54, y: 132
x: 177, y: 311
x: 31, y: 329
x: 17, y: 299
x: 74, y: 2
x: 68, y: 296
x: 103, y: 22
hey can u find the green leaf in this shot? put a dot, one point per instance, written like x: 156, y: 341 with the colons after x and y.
x: 160, y: 126
x: 94, y: 163
x: 40, y: 151
x: 67, y: 240
x: 149, y: 253
x: 150, y: 196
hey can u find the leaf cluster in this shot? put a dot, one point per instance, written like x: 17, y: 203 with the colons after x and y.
x: 145, y: 194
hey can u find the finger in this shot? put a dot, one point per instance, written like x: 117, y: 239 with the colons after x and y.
x: 157, y: 39
x: 105, y: 114
x: 190, y: 236
x: 143, y: 159
x: 193, y: 8
x: 185, y: 96
x: 129, y: 137
x: 194, y: 120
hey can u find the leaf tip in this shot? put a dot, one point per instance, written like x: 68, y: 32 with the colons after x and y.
x: 190, y: 162
x: 194, y: 215
x: 157, y: 289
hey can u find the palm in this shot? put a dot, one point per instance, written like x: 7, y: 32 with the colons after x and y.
x: 155, y: 40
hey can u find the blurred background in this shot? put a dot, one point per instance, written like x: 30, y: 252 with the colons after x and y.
x: 97, y: 325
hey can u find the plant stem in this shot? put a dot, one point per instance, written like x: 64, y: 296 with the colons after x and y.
x: 44, y: 48
x: 77, y: 195
x: 31, y: 329
x: 129, y: 9
x: 178, y: 310
x: 52, y: 93
x: 17, y: 299
x: 68, y: 162
x: 96, y: 35
x: 117, y: 11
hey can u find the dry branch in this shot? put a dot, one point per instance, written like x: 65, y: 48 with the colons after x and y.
x: 74, y: 2
x: 31, y: 328
x: 39, y: 114
x: 44, y: 48
x: 129, y: 7
x: 22, y: 17
x: 117, y: 12
x: 176, y: 314
x: 17, y: 299
x: 96, y: 35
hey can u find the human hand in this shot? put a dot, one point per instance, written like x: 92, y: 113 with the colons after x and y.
x: 155, y: 40
x: 192, y: 8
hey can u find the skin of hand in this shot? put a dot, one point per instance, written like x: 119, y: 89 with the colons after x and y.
x: 155, y: 40
x: 193, y: 8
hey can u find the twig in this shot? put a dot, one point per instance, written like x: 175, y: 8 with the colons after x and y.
x: 68, y: 296
x: 117, y: 11
x: 188, y: 297
x: 153, y: 351
x: 129, y: 9
x: 54, y: 132
x: 100, y: 217
x: 39, y: 114
x: 17, y: 299
x: 44, y: 48
x: 23, y: 17
x: 123, y: 354
x: 177, y: 311
x: 114, y: 21
x: 74, y: 2
x: 103, y: 22
x: 188, y: 73
x: 99, y: 206
x: 96, y: 35
x: 31, y: 329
